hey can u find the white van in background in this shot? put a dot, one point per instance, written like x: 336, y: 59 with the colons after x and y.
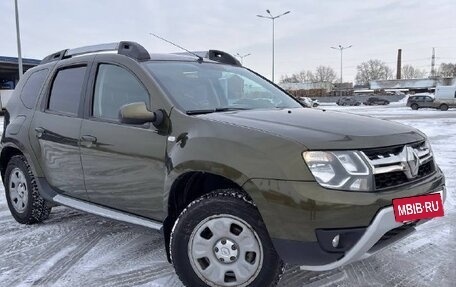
x: 445, y: 97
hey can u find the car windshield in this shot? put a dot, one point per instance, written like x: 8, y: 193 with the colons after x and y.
x: 210, y: 87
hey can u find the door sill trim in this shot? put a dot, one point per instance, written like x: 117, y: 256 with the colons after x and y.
x: 106, y: 212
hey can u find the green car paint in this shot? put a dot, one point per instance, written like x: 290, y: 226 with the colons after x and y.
x: 140, y: 169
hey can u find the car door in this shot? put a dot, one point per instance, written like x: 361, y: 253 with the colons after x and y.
x: 428, y: 102
x: 453, y: 102
x: 123, y: 164
x: 56, y: 125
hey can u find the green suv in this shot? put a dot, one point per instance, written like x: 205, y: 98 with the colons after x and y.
x: 232, y: 170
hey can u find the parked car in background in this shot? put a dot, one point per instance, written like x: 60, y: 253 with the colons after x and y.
x: 315, y: 103
x: 421, y: 101
x: 306, y: 102
x: 376, y: 101
x: 348, y: 101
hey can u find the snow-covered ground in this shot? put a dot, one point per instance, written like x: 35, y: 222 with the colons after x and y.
x: 77, y: 249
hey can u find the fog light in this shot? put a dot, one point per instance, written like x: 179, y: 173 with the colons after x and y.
x: 335, y: 241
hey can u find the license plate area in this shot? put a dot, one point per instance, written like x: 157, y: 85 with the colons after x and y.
x: 408, y: 209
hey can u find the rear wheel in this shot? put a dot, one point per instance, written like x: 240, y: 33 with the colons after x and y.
x: 444, y: 107
x: 220, y: 240
x: 414, y: 107
x: 24, y: 201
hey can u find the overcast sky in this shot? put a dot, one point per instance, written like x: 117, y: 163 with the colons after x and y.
x: 375, y: 28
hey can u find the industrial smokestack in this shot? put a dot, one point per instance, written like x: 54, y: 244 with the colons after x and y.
x: 399, y: 64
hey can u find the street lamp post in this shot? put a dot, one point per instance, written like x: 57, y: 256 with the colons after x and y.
x: 341, y: 49
x: 242, y: 57
x: 18, y: 35
x: 273, y: 22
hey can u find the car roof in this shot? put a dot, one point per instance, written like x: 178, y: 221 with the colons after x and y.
x: 177, y: 57
x: 139, y: 53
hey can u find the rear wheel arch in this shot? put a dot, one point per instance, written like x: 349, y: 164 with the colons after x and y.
x: 7, y: 153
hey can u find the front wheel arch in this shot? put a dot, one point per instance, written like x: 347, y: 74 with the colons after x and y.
x: 188, y: 187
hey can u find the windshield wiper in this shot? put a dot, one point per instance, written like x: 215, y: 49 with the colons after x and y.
x: 216, y: 110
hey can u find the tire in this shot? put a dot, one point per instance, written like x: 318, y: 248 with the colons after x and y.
x: 232, y: 214
x: 24, y: 200
x: 444, y: 107
x: 414, y: 107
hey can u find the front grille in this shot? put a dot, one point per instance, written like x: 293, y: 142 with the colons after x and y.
x: 375, y: 154
x: 392, y: 179
x: 394, y: 166
x: 426, y: 169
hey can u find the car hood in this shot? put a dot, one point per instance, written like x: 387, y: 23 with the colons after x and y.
x: 320, y: 129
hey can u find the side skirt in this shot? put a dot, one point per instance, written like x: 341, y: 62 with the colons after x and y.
x: 105, y: 212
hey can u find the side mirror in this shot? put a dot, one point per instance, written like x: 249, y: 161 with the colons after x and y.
x: 138, y: 114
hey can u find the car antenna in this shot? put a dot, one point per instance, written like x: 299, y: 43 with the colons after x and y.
x: 200, y: 59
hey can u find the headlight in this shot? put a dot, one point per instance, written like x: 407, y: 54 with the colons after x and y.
x: 344, y: 170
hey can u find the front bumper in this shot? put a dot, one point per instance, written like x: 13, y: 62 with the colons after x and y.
x: 295, y: 213
x: 383, y: 222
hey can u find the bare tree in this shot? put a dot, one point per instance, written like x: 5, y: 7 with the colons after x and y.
x: 288, y: 79
x: 305, y: 76
x: 321, y: 74
x: 373, y: 70
x: 324, y: 74
x: 410, y: 72
x: 447, y: 70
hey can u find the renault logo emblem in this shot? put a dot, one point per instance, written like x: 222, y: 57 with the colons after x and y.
x: 412, y: 162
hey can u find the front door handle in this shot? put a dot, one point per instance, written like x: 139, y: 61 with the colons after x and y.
x: 39, y: 132
x: 88, y: 141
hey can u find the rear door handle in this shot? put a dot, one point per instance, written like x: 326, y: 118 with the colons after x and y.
x: 88, y: 141
x: 39, y: 132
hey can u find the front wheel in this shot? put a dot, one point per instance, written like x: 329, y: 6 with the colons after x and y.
x: 221, y: 240
x: 414, y: 107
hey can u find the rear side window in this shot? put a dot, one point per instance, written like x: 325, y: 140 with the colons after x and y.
x: 66, y: 90
x: 33, y: 87
x: 114, y: 88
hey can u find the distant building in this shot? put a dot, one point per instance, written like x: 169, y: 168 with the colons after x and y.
x: 411, y: 85
x: 326, y: 86
x: 342, y: 90
x: 9, y: 70
x: 308, y: 89
x: 9, y: 76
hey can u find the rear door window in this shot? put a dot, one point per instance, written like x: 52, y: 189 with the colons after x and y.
x: 33, y: 87
x: 66, y: 90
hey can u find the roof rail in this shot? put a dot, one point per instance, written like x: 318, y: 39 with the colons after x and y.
x: 129, y: 49
x: 216, y: 55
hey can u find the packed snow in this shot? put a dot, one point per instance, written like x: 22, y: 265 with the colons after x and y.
x: 73, y: 248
